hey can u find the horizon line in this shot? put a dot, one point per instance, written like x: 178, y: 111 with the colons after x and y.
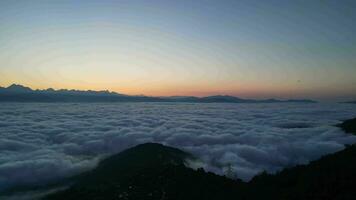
x: 115, y: 92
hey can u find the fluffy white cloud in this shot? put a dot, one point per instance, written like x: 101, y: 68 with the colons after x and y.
x: 43, y: 142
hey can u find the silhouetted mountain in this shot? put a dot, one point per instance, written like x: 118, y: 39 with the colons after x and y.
x: 349, y: 126
x: 153, y: 171
x: 222, y: 98
x: 232, y: 99
x: 17, y: 88
x: 331, y: 177
x: 149, y: 171
x: 350, y: 102
x: 18, y: 93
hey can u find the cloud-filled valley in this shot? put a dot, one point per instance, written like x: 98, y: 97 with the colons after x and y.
x: 44, y: 142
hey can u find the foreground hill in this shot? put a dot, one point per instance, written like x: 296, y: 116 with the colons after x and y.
x: 349, y: 126
x: 19, y: 93
x: 331, y: 177
x: 149, y: 171
x: 154, y: 171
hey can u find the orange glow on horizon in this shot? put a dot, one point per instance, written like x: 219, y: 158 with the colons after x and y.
x: 160, y: 89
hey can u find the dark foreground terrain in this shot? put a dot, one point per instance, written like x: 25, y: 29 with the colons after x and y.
x: 154, y: 171
x: 149, y: 171
x: 349, y: 126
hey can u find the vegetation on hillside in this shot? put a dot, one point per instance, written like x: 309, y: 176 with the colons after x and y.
x: 153, y: 171
x: 349, y: 126
x: 149, y: 171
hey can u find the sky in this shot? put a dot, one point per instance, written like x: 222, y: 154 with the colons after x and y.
x: 250, y: 48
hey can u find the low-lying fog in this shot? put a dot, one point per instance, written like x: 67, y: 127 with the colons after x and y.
x: 41, y: 142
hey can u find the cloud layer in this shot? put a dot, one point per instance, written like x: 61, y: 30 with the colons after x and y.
x: 43, y: 142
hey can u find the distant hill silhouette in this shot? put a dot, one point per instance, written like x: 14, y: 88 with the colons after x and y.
x: 17, y: 88
x: 19, y: 93
x: 350, y: 102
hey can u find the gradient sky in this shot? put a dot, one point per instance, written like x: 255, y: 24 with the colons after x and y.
x: 254, y: 49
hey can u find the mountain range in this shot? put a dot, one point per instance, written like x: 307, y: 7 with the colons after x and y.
x: 19, y: 93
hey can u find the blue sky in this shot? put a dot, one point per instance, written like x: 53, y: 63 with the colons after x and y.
x: 260, y: 49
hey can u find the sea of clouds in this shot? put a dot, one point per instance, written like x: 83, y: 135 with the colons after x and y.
x: 44, y: 142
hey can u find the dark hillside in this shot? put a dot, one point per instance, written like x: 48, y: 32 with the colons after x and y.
x: 349, y: 126
x: 331, y: 177
x: 149, y: 171
x: 154, y: 171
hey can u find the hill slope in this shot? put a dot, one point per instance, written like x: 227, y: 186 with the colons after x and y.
x: 153, y: 171
x: 349, y: 126
x: 149, y: 171
x: 331, y: 177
